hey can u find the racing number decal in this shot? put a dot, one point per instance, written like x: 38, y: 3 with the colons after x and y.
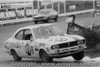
x: 29, y: 50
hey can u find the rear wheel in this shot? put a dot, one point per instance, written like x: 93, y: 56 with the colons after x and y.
x: 45, y: 57
x: 15, y: 56
x: 56, y: 19
x: 78, y: 56
x: 46, y: 21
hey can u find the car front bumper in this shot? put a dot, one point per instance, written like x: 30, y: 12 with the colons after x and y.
x: 40, y: 19
x: 67, y: 52
x: 7, y: 51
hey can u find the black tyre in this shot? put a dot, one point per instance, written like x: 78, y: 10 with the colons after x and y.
x: 45, y: 57
x: 78, y: 56
x: 56, y: 19
x: 36, y: 22
x: 16, y: 57
x: 46, y: 21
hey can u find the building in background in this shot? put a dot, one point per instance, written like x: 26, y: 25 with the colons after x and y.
x: 17, y: 9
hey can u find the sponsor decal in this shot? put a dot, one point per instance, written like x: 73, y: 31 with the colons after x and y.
x: 4, y: 6
x: 20, y: 13
x: 29, y: 50
x: 15, y: 45
x: 7, y: 15
x: 41, y: 44
x: 35, y: 11
x: 2, y: 15
x: 29, y: 12
x: 10, y: 14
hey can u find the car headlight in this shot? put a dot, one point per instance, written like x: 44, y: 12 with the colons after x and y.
x: 55, y: 47
x: 5, y: 45
x: 81, y: 42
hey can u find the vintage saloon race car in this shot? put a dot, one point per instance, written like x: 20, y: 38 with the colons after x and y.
x: 44, y: 41
x: 45, y: 15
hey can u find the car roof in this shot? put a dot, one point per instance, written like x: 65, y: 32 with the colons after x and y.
x: 36, y: 26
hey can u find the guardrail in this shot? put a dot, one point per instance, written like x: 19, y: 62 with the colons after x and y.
x: 15, y: 21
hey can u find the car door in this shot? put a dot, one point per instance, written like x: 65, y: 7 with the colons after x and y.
x: 18, y: 39
x: 23, y: 38
x: 29, y: 47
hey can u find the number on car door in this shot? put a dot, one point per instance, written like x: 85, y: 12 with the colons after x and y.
x: 23, y: 37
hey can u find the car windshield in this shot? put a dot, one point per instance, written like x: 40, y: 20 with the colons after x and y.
x: 44, y: 12
x: 42, y: 32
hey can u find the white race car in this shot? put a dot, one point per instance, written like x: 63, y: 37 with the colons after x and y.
x: 44, y: 41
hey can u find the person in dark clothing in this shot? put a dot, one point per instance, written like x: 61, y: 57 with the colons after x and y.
x: 73, y: 21
x: 70, y: 24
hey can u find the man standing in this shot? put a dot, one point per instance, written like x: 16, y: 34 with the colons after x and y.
x: 71, y: 21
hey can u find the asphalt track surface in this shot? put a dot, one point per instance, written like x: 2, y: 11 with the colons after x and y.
x: 7, y: 61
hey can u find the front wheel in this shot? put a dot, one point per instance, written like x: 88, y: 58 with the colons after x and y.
x: 78, y: 56
x: 36, y: 22
x: 16, y: 57
x: 45, y: 57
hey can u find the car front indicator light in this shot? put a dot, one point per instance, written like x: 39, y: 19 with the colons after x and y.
x: 55, y: 47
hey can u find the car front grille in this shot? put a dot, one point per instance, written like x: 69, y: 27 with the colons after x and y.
x: 38, y: 17
x: 64, y: 45
x: 70, y: 44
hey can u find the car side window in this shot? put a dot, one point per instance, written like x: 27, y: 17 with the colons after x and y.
x: 19, y: 35
x: 27, y: 34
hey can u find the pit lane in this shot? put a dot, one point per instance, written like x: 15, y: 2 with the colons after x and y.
x: 7, y: 31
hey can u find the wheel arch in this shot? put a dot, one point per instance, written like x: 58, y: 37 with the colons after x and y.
x: 13, y: 50
x: 41, y: 51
